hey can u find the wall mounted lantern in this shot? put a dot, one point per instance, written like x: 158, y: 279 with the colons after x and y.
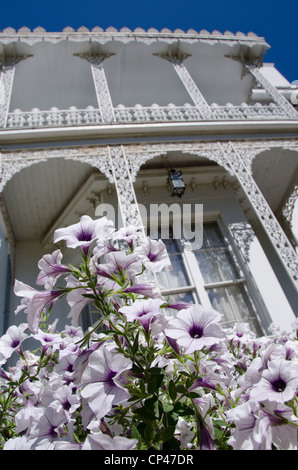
x: 176, y: 183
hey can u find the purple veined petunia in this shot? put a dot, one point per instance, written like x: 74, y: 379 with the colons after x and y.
x: 153, y: 254
x: 144, y: 311
x: 116, y: 262
x: 243, y: 436
x: 48, y: 340
x: 69, y: 400
x: 206, y: 441
x: 128, y: 234
x: 12, y: 340
x: 19, y: 443
x: 50, y: 269
x: 83, y: 233
x: 103, y: 381
x: 258, y: 426
x: 34, y: 302
x: 25, y: 417
x: 276, y: 424
x: 179, y: 305
x: 103, y: 247
x: 101, y: 441
x: 278, y: 382
x: 76, y: 299
x: 203, y: 382
x: 49, y: 425
x: 144, y: 289
x: 194, y: 328
x: 184, y: 432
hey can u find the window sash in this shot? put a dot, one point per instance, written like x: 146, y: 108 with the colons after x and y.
x: 226, y: 283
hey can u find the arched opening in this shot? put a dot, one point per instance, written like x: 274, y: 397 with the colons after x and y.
x: 210, y: 268
x: 276, y: 173
x: 38, y: 199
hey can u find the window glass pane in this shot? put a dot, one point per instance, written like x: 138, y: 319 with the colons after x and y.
x: 178, y: 276
x: 233, y: 303
x: 217, y: 265
x: 230, y: 301
x: 89, y: 316
x: 212, y: 236
x: 215, y: 258
x: 181, y: 297
x: 173, y: 245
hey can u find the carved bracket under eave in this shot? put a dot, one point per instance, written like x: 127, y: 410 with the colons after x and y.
x: 94, y: 54
x: 9, y: 56
x: 173, y: 54
x: 246, y: 57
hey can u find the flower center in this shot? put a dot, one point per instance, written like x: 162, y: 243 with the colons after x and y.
x: 84, y: 236
x: 152, y: 256
x: 109, y: 378
x: 279, y: 385
x: 15, y: 343
x: 196, y: 331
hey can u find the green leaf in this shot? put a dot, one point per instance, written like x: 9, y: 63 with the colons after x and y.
x: 180, y: 388
x: 156, y: 370
x: 135, y: 345
x: 167, y: 407
x: 172, y: 391
x: 186, y: 374
x: 183, y: 410
x: 168, y: 433
x: 155, y: 379
x: 172, y: 444
x: 137, y: 369
x: 151, y: 404
x: 135, y: 433
x: 155, y: 383
x: 144, y: 414
x: 149, y: 432
x: 109, y: 332
x: 150, y: 409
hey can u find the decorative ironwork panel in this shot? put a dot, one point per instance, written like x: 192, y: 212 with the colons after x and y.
x: 124, y: 186
x: 265, y: 215
x: 277, y: 97
x: 193, y: 90
x: 103, y: 93
x: 6, y: 81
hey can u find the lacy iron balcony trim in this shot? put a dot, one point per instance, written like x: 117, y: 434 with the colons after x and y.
x: 73, y: 116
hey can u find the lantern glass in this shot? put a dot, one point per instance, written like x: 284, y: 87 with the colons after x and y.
x: 176, y: 183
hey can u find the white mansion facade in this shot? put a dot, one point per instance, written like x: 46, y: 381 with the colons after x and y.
x: 100, y: 117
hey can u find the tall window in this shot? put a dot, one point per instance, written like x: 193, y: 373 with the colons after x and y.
x: 210, y: 275
x: 176, y: 284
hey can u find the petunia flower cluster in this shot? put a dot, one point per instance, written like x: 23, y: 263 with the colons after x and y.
x: 150, y: 372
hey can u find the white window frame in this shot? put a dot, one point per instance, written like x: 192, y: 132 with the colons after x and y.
x: 199, y: 288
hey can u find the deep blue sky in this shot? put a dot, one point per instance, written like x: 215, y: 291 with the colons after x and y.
x: 277, y: 21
